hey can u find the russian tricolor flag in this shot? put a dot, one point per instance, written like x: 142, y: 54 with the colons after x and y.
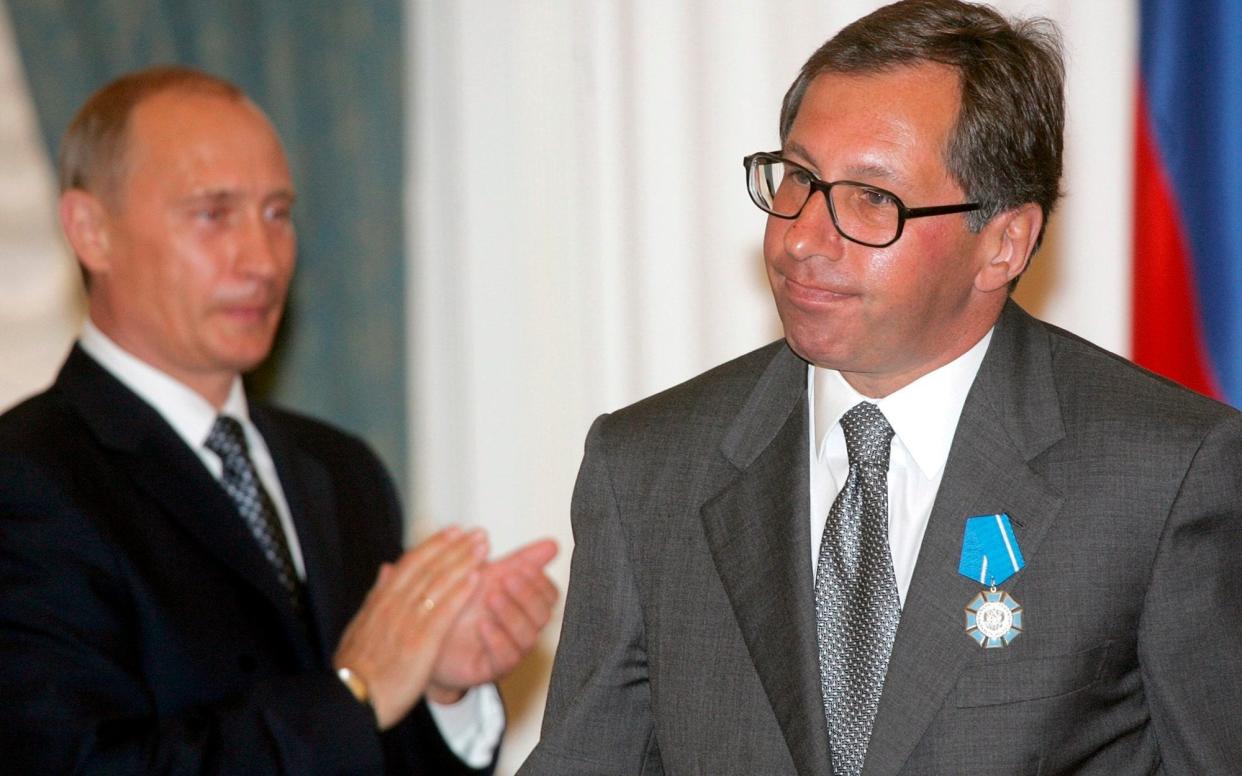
x: 1188, y: 195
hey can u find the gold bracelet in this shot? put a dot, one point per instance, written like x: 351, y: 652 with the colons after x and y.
x: 357, y: 687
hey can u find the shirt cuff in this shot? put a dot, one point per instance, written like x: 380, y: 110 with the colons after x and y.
x: 472, y: 727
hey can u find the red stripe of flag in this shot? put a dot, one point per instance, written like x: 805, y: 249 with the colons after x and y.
x: 1168, y: 335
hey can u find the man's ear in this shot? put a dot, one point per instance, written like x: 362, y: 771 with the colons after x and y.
x: 1008, y: 241
x: 85, y: 222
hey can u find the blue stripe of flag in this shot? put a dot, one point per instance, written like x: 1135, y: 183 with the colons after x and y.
x: 1191, y: 65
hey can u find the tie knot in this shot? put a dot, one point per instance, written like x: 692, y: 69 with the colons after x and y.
x: 227, y: 439
x: 867, y: 435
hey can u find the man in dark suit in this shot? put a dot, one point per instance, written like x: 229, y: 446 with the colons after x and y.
x: 188, y: 582
x: 925, y: 533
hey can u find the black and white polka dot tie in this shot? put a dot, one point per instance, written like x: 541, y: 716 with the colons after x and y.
x: 241, y: 481
x: 856, y: 604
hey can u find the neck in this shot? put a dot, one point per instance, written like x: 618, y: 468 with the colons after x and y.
x: 877, y: 385
x: 214, y: 386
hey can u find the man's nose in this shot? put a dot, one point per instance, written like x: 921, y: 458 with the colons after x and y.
x: 813, y: 232
x: 259, y: 248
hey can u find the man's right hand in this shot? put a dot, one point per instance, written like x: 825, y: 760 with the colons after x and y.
x: 394, y: 639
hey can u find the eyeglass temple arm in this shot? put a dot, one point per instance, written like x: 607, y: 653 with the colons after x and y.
x: 939, y: 210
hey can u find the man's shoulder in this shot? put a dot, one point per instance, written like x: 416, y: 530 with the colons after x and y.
x: 51, y: 460
x: 39, y: 422
x: 720, y: 390
x: 299, y: 424
x: 1104, y: 402
x: 700, y: 411
x: 285, y: 430
x: 1088, y: 373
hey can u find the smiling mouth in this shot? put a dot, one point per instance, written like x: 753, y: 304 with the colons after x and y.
x: 812, y: 295
x: 249, y: 313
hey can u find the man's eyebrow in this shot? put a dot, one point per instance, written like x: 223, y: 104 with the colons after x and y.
x: 210, y: 195
x: 863, y: 171
x: 872, y: 171
x: 796, y: 148
x: 228, y: 195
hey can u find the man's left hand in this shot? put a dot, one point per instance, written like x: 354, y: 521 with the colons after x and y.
x: 499, y: 625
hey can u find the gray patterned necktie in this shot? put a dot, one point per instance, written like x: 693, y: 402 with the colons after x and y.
x: 856, y: 604
x: 241, y: 482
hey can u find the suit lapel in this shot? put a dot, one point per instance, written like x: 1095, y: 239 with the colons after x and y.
x: 758, y: 532
x: 161, y: 465
x: 1010, y: 416
x: 312, y: 504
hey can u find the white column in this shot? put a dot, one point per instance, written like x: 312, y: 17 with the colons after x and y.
x: 40, y: 289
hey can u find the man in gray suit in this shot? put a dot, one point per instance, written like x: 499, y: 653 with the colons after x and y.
x: 925, y: 533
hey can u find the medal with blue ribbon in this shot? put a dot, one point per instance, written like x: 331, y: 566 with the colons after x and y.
x: 990, y: 556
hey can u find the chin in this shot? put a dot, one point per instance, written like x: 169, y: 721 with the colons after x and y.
x: 819, y: 353
x: 242, y: 357
x: 813, y: 343
x: 833, y: 351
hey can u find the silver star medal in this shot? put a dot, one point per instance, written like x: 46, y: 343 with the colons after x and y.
x: 990, y: 555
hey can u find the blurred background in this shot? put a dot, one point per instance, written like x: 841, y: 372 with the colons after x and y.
x: 516, y: 216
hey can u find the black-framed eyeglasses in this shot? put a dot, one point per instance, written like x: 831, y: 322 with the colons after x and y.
x: 865, y: 214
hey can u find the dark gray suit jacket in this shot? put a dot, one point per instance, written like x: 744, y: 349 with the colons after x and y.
x: 689, y: 643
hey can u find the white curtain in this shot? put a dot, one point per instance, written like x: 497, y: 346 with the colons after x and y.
x: 580, y: 235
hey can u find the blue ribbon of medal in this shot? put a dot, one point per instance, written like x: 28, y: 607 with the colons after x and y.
x: 990, y: 556
x: 990, y: 552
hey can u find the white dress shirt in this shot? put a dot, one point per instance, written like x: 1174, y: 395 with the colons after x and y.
x: 192, y: 417
x: 471, y: 727
x: 924, y: 417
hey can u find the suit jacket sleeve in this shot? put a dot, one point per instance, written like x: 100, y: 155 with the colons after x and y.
x: 1190, y: 648
x: 598, y: 718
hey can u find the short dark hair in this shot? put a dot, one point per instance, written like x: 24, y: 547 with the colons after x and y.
x: 93, y: 150
x: 1006, y: 144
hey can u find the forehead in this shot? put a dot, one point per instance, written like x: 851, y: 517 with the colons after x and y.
x: 889, y: 120
x: 178, y: 138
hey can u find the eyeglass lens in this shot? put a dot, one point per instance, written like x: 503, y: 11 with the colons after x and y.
x: 861, y: 213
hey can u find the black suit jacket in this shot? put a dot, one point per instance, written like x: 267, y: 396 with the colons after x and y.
x: 141, y: 628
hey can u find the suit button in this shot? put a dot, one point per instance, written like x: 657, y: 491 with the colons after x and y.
x: 247, y: 663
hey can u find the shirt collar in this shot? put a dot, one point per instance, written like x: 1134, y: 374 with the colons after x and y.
x: 190, y: 415
x: 927, y: 435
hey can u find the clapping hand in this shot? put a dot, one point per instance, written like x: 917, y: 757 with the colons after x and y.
x: 499, y: 625
x: 441, y: 619
x: 393, y: 641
